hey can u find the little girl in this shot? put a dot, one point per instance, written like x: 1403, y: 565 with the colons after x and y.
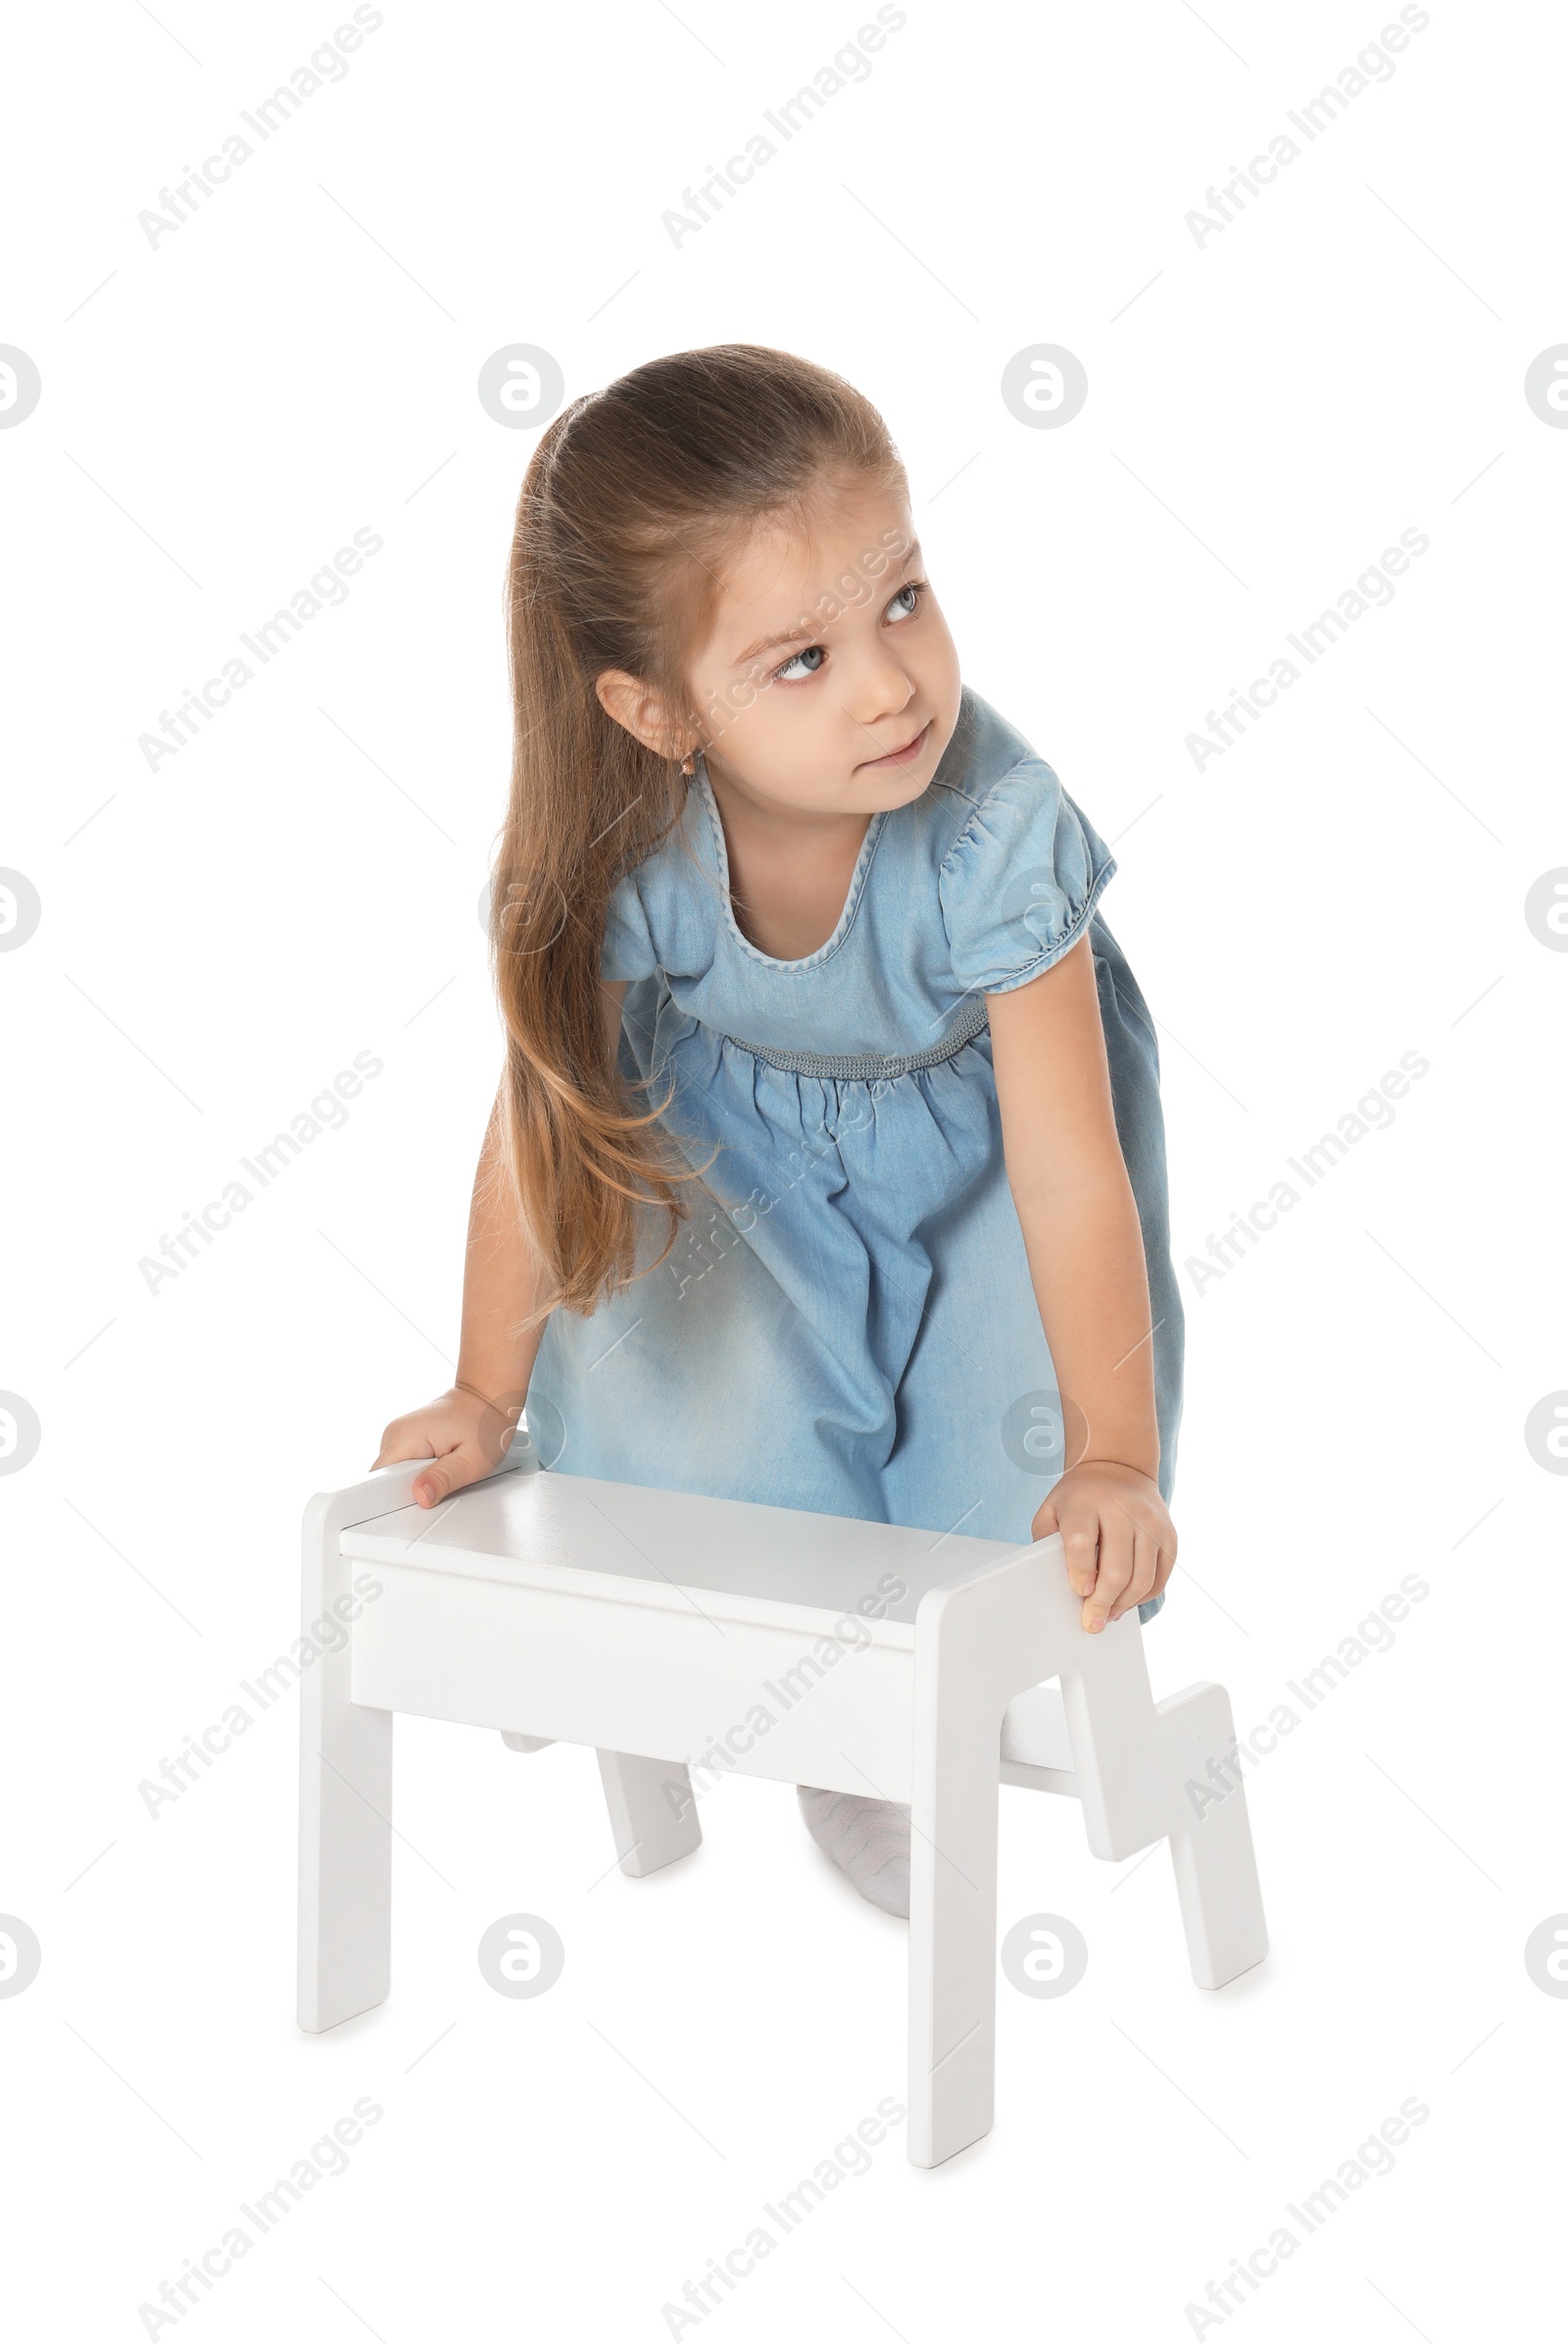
x: 827, y: 1169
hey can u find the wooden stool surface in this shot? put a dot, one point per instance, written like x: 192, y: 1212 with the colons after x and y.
x: 529, y: 1528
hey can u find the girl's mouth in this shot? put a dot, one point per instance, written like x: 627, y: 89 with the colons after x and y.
x: 901, y: 757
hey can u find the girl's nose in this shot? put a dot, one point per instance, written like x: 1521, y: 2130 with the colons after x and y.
x: 882, y: 688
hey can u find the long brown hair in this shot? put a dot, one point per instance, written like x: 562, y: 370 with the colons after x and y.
x: 634, y: 497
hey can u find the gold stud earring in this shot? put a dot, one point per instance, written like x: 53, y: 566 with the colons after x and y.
x: 689, y: 765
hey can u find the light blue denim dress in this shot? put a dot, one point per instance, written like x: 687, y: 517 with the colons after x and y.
x: 851, y: 1328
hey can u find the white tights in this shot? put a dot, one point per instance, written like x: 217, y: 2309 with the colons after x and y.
x: 868, y: 1839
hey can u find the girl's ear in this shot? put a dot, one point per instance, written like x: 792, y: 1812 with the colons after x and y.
x: 641, y: 710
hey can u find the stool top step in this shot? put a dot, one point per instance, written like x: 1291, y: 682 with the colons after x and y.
x: 529, y: 1528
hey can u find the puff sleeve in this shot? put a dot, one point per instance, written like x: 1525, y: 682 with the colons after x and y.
x: 628, y: 948
x: 1021, y: 882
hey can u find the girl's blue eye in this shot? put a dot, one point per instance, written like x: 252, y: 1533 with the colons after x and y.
x: 814, y: 652
x: 908, y: 595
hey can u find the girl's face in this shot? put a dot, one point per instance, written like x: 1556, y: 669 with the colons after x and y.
x: 828, y: 682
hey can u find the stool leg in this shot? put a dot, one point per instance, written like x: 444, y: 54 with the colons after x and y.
x: 653, y: 1812
x: 953, y: 1940
x: 1211, y: 1839
x: 977, y: 1642
x: 345, y: 1850
x: 967, y: 1636
x: 345, y: 1884
x: 1216, y: 1886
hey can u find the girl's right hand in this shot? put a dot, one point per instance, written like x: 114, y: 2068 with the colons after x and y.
x: 466, y: 1433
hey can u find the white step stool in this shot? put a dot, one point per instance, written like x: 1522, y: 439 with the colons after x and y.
x: 645, y: 1622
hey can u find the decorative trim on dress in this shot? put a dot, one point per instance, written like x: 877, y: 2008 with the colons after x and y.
x: 868, y: 1068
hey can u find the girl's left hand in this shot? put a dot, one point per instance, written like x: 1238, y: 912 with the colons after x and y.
x: 1120, y: 1540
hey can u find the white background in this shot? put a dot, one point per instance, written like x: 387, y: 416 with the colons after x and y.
x: 218, y: 938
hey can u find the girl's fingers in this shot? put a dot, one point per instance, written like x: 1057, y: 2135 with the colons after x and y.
x: 462, y: 1464
x: 1080, y: 1540
x: 1145, y: 1566
x: 398, y: 1449
x: 1116, y: 1565
x: 1119, y: 1547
